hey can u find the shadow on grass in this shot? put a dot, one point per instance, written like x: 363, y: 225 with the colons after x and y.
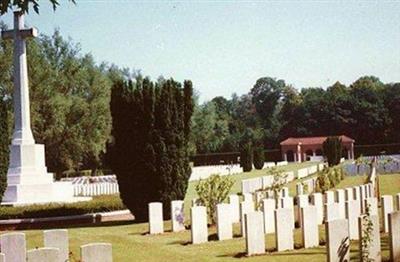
x: 272, y: 252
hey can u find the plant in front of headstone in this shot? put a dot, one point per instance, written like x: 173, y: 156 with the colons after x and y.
x: 305, y: 187
x: 323, y: 182
x: 332, y: 148
x: 279, y: 180
x: 4, y: 146
x: 367, y: 229
x: 212, y: 191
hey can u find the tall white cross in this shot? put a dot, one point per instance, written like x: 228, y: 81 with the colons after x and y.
x: 22, y: 128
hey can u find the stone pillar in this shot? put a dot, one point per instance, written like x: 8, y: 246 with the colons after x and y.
x: 285, y: 157
x: 337, y: 240
x: 156, y: 223
x: 255, y: 239
x: 299, y: 153
x: 394, y: 236
x: 199, y: 231
x: 387, y: 207
x: 224, y: 221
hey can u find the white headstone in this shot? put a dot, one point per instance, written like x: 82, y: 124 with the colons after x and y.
x: 48, y: 254
x: 255, y: 240
x: 287, y: 202
x: 337, y: 240
x: 387, y: 207
x: 2, y: 257
x: 248, y: 197
x: 317, y: 201
x: 353, y: 211
x: 329, y: 197
x: 372, y: 203
x: 235, y: 206
x: 96, y: 252
x: 269, y: 216
x: 156, y: 223
x: 245, y: 207
x: 332, y: 211
x: 177, y: 215
x: 57, y: 238
x: 199, y: 231
x: 13, y: 246
x: 356, y: 193
x: 374, y: 246
x: 349, y: 193
x: 224, y: 221
x: 302, y: 201
x: 341, y: 199
x: 299, y: 189
x: 283, y: 232
x: 285, y: 192
x: 394, y: 235
x: 309, y: 227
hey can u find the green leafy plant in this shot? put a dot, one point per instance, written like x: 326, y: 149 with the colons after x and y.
x: 366, y: 239
x: 212, y: 191
x: 280, y: 179
x: 246, y: 157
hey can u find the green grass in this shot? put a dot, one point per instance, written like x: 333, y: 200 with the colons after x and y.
x: 132, y: 243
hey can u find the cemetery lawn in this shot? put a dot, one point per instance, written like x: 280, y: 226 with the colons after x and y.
x: 131, y: 242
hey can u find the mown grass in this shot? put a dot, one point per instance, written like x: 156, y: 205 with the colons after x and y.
x: 132, y: 243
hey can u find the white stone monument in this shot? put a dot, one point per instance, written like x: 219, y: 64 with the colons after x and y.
x: 48, y: 254
x: 13, y: 246
x: 255, y: 240
x: 394, y: 235
x: 96, y: 252
x: 57, y: 238
x: 177, y: 215
x: 337, y: 240
x: 156, y: 223
x: 224, y: 221
x: 27, y: 179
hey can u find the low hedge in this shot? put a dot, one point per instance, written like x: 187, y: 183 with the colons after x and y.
x: 96, y: 205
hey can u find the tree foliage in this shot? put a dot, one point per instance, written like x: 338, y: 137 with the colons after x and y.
x: 25, y: 5
x: 212, y: 191
x: 332, y: 148
x: 149, y: 152
x: 69, y: 96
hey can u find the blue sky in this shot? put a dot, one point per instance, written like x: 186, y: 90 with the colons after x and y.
x: 225, y: 46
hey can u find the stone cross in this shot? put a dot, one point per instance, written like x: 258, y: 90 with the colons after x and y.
x: 22, y: 129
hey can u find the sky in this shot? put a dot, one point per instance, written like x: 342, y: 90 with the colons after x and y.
x: 225, y: 46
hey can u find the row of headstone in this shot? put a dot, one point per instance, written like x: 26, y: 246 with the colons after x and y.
x: 56, y: 249
x: 307, y: 186
x: 252, y: 185
x: 338, y: 236
x: 203, y: 172
x: 307, y: 171
x: 96, y: 189
x: 91, y: 179
x: 282, y: 163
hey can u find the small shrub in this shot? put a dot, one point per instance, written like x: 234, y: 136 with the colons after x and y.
x: 323, y: 183
x: 259, y: 157
x: 280, y: 179
x: 246, y: 157
x: 212, y: 191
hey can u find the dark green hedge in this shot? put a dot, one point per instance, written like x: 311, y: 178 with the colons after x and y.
x: 98, y: 204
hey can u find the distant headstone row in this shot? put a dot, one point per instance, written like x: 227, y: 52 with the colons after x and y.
x: 56, y: 249
x: 343, y: 211
x: 96, y: 189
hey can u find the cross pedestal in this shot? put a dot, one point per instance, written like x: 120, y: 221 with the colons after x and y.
x: 27, y: 179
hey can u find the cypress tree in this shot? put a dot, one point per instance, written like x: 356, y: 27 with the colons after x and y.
x: 259, y: 156
x: 4, y: 144
x: 151, y: 127
x: 332, y: 148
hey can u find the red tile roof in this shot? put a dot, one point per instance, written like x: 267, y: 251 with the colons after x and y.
x: 317, y: 140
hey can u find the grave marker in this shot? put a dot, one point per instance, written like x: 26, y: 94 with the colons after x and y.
x: 13, y: 246
x: 199, y: 231
x: 317, y: 201
x: 177, y: 216
x: 309, y: 229
x: 387, y: 207
x: 45, y: 254
x: 269, y: 217
x: 394, y: 235
x: 255, y: 240
x: 283, y: 232
x: 235, y: 206
x: 156, y: 223
x: 374, y: 248
x: 224, y: 222
x: 57, y: 238
x: 96, y: 252
x: 353, y: 211
x: 337, y: 240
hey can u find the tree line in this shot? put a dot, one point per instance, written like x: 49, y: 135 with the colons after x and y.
x: 366, y: 110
